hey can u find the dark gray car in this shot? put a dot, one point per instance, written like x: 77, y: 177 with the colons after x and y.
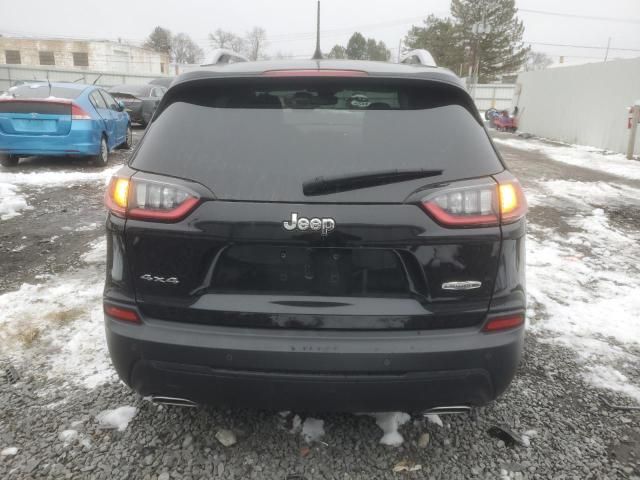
x: 140, y: 101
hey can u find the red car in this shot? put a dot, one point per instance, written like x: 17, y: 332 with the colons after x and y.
x: 505, y: 123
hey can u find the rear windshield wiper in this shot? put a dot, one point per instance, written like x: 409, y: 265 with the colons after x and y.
x: 324, y: 185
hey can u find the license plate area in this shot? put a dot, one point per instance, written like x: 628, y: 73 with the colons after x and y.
x: 310, y: 271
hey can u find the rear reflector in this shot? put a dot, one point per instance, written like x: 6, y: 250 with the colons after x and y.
x: 315, y: 73
x: 504, y: 323
x: 124, y: 314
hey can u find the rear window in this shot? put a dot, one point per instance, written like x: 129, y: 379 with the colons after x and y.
x: 231, y: 138
x: 42, y: 90
x: 137, y: 90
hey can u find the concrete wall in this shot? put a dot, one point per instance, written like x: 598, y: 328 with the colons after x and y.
x: 584, y: 104
x: 102, y: 55
x: 10, y: 74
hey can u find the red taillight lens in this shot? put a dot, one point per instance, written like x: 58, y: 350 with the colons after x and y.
x: 124, y: 314
x: 482, y: 204
x: 504, y: 323
x: 149, y: 200
x: 79, y: 113
x: 471, y: 206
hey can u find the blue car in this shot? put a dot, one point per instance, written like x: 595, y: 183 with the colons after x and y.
x: 61, y: 119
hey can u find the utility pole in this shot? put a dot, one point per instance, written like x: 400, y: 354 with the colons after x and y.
x: 635, y: 118
x: 606, y: 54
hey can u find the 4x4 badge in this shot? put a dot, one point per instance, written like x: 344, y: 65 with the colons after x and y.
x: 325, y: 225
x: 153, y: 278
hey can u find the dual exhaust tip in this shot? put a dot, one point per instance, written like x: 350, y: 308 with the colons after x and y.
x: 183, y: 402
x: 176, y: 401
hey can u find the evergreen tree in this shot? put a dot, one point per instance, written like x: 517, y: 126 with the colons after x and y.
x: 338, y: 51
x: 159, y: 40
x: 501, y: 49
x: 357, y: 47
x: 360, y: 48
x: 456, y: 44
x: 442, y: 38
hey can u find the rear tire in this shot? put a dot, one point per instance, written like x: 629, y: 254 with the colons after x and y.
x: 9, y: 160
x: 128, y: 140
x: 102, y: 158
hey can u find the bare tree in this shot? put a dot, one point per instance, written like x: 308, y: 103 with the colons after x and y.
x: 256, y: 43
x: 537, y: 61
x: 221, y: 38
x: 185, y: 50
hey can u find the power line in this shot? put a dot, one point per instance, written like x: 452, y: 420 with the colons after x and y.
x: 594, y: 47
x: 585, y: 17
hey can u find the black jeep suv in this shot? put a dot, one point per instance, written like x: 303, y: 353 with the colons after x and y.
x: 325, y: 235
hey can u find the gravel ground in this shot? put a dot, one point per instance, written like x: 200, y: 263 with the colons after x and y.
x: 571, y: 433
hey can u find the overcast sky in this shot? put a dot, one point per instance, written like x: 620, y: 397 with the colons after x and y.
x: 290, y: 24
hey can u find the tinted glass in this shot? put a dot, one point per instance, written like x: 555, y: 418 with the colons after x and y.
x: 111, y: 103
x: 97, y: 100
x: 263, y: 143
x: 137, y: 90
x: 41, y: 90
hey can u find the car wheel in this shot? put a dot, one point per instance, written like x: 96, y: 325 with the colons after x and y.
x: 102, y: 158
x: 128, y: 139
x: 9, y: 160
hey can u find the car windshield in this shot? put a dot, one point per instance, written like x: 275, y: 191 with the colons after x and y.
x: 42, y: 90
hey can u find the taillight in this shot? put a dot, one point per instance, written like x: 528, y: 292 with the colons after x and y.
x: 120, y: 313
x: 513, y: 204
x: 149, y: 200
x: 79, y: 113
x: 481, y: 203
x: 504, y: 323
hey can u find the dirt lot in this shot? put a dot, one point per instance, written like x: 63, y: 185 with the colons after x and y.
x: 582, y: 354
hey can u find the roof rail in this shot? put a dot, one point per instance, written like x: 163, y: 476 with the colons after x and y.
x: 418, y: 57
x: 222, y: 56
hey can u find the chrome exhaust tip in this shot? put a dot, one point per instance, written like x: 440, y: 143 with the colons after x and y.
x: 448, y: 410
x: 178, y: 402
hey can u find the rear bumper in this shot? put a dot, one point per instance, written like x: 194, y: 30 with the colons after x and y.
x: 79, y: 141
x: 314, y: 370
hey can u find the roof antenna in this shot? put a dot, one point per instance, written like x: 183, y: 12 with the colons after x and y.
x: 49, y: 82
x: 317, y: 55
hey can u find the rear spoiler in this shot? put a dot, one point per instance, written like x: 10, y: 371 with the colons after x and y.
x: 418, y: 57
x: 223, y: 56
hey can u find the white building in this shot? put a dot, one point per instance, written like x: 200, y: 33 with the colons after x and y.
x: 97, y: 55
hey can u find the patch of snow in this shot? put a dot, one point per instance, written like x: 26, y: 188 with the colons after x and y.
x: 11, y: 202
x: 435, y: 419
x: 312, y: 429
x: 87, y: 228
x: 64, y: 314
x: 117, y: 418
x: 609, y: 378
x: 578, y: 155
x: 97, y: 252
x: 52, y: 178
x: 582, y: 284
x: 389, y: 422
x: 68, y: 436
x: 5, y: 452
x: 296, y: 424
x: 19, y: 248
